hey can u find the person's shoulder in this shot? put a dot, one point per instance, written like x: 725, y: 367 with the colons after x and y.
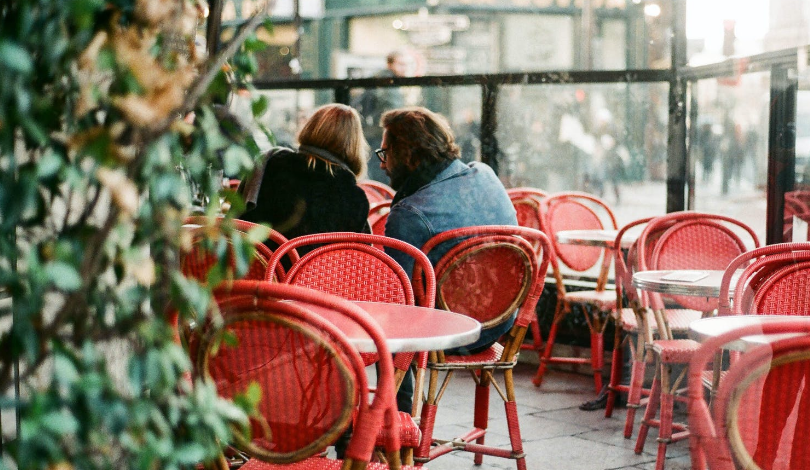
x: 281, y: 155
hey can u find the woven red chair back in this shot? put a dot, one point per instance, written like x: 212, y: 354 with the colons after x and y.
x: 376, y: 191
x: 349, y: 266
x: 198, y: 262
x: 352, y: 266
x: 486, y: 278
x: 203, y: 256
x: 378, y: 216
x: 354, y: 272
x: 626, y: 262
x: 306, y: 371
x: 786, y: 290
x: 760, y: 417
x: 491, y: 271
x: 693, y: 240
x: 756, y: 267
x: 528, y: 212
x: 312, y: 379
x: 527, y: 203
x: 576, y: 211
x: 526, y: 191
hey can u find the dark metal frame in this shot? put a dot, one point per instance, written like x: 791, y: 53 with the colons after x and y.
x: 682, y: 82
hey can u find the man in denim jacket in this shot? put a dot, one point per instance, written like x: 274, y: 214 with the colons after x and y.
x: 436, y: 192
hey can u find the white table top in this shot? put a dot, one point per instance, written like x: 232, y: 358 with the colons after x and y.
x: 708, y: 286
x: 599, y: 238
x: 408, y: 328
x: 705, y: 328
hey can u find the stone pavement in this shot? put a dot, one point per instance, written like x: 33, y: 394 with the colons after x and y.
x: 556, y: 434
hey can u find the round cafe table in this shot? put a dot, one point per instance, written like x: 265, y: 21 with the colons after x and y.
x: 696, y: 283
x: 407, y: 328
x: 598, y: 238
x: 705, y: 328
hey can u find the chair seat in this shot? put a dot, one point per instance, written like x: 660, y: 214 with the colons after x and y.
x: 313, y: 463
x: 629, y: 322
x: 675, y: 351
x: 484, y: 358
x: 369, y: 358
x: 409, y: 434
x: 679, y: 319
x: 603, y: 300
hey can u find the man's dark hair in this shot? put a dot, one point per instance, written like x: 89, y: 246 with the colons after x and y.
x: 419, y: 135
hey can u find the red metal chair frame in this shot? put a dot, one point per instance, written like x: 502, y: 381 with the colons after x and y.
x: 353, y: 266
x: 573, y: 210
x: 200, y: 267
x: 527, y: 202
x: 469, y: 260
x: 753, y: 404
x: 762, y: 263
x: 627, y: 324
x: 376, y: 191
x: 378, y: 216
x: 691, y: 240
x: 261, y: 301
x: 525, y: 191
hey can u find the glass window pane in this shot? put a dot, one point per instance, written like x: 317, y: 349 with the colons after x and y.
x: 729, y: 153
x: 609, y: 140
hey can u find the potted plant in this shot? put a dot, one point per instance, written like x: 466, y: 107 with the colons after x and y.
x: 94, y: 100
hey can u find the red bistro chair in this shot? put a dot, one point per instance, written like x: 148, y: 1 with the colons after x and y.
x: 527, y: 203
x: 526, y: 191
x: 577, y: 211
x: 312, y: 380
x: 691, y: 240
x: 376, y: 191
x: 489, y: 273
x: 760, y: 417
x: 206, y: 243
x: 634, y: 319
x: 347, y: 265
x: 624, y: 317
x: 378, y: 216
x: 770, y: 279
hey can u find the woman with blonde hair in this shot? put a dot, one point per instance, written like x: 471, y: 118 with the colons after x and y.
x: 313, y: 189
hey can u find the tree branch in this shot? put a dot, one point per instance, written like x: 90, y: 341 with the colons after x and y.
x: 216, y: 63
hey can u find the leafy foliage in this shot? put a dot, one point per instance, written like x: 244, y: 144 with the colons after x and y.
x: 92, y: 134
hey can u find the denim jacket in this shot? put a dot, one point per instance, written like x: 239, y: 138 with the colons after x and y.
x: 462, y: 195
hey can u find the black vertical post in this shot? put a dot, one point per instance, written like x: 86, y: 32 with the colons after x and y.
x: 676, y: 135
x: 489, y: 125
x: 213, y: 26
x: 342, y: 95
x: 690, y: 153
x: 781, y: 148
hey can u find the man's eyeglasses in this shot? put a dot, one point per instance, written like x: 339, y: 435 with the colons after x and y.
x: 381, y: 155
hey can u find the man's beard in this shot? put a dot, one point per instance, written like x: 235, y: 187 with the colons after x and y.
x: 398, y: 175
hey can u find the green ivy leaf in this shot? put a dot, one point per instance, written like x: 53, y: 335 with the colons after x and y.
x: 15, y: 58
x: 236, y: 158
x: 49, y: 165
x: 60, y: 422
x: 191, y: 453
x: 259, y: 106
x: 63, y: 276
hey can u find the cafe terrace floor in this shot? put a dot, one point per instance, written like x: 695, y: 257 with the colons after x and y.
x: 556, y: 434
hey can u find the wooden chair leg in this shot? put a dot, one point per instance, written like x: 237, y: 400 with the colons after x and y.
x: 649, y: 413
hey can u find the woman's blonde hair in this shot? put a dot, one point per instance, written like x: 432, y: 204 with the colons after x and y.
x: 337, y: 129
